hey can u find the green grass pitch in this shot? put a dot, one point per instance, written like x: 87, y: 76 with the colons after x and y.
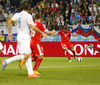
x: 55, y: 71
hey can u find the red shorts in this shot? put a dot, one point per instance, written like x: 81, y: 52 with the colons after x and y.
x: 37, y: 50
x: 67, y: 45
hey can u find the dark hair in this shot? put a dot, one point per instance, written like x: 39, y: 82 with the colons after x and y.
x: 26, y: 5
x: 2, y: 31
x: 65, y: 27
x: 37, y: 16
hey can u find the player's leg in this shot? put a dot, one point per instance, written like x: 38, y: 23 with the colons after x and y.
x: 37, y: 64
x: 29, y: 68
x: 89, y: 46
x: 70, y: 46
x: 1, y: 47
x: 22, y: 49
x: 68, y: 55
x: 72, y: 49
x: 94, y: 47
x: 66, y: 49
x: 23, y: 61
x: 12, y: 59
x: 97, y: 49
x: 38, y: 52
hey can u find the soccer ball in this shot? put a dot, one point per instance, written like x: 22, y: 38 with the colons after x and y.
x: 79, y: 59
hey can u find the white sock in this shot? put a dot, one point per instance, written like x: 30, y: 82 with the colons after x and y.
x: 15, y: 58
x: 29, y: 66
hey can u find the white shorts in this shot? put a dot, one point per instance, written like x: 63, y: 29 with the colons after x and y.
x: 1, y: 46
x: 23, y: 41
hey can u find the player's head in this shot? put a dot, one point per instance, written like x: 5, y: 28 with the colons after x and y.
x: 66, y: 28
x: 37, y: 16
x: 26, y: 5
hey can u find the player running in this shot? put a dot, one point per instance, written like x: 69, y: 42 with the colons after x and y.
x: 1, y: 47
x: 95, y: 48
x: 24, y: 23
x: 65, y: 42
x: 36, y: 48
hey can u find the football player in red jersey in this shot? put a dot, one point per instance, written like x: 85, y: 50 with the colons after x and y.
x: 65, y: 41
x: 36, y: 48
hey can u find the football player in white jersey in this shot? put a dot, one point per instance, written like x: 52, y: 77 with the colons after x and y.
x: 1, y: 47
x: 24, y: 23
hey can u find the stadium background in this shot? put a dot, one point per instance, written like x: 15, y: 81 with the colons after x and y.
x: 82, y: 17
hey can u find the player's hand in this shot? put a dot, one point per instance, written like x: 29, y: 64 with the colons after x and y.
x: 10, y: 36
x: 52, y: 33
x: 45, y: 35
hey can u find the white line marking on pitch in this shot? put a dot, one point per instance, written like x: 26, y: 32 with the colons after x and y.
x: 69, y: 66
x: 58, y: 66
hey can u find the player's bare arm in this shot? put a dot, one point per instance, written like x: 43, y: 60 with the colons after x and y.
x: 56, y: 33
x: 50, y: 33
x: 10, y: 36
x: 37, y: 30
x: 1, y: 50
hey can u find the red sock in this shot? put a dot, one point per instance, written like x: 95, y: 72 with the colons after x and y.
x: 33, y: 59
x: 37, y: 63
x: 74, y: 54
x: 68, y: 55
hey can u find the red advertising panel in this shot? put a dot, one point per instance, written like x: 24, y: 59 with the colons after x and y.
x: 54, y: 49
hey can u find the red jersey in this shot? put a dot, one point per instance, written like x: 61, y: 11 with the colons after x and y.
x: 64, y: 36
x: 35, y: 36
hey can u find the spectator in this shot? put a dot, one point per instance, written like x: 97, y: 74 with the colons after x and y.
x: 85, y: 2
x: 77, y: 7
x: 60, y: 27
x: 98, y: 11
x: 54, y: 21
x: 54, y: 8
x: 66, y: 16
x: 48, y: 23
x: 71, y: 17
x: 84, y: 20
x: 96, y: 7
x: 54, y: 4
x: 73, y: 5
x: 54, y: 26
x: 2, y: 18
x: 60, y: 21
x: 86, y: 16
x: 34, y: 12
x: 79, y: 21
x: 48, y: 16
x: 61, y: 8
x: 43, y: 21
x: 2, y: 36
x: 52, y: 14
x: 73, y: 21
x: 97, y: 17
x: 8, y: 6
x: 80, y: 4
x: 67, y: 21
x: 1, y: 7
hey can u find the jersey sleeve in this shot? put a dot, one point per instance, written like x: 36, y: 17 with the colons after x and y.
x: 30, y: 20
x: 44, y: 29
x: 14, y: 18
x: 59, y: 32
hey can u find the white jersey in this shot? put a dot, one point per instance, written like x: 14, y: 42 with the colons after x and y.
x: 23, y: 20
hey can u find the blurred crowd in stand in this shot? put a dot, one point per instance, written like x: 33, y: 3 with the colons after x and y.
x: 55, y: 14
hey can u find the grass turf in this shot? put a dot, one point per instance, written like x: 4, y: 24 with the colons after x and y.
x: 55, y: 71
